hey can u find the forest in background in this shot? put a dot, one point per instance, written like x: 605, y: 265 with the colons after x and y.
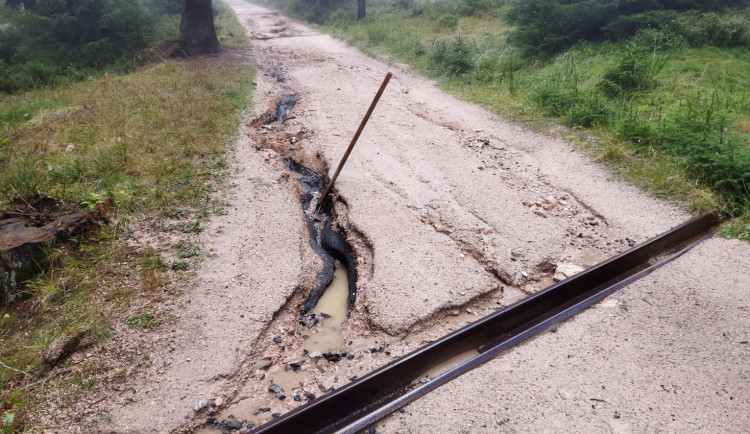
x: 49, y: 42
x: 658, y: 89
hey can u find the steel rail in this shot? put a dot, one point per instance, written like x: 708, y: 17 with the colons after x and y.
x: 363, y: 402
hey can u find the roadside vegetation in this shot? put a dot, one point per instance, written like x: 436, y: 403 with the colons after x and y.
x: 151, y: 133
x: 659, y: 91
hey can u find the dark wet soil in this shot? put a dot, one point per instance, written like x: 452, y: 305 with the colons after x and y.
x: 326, y: 242
x: 286, y: 103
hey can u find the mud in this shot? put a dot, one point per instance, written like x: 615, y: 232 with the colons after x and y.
x: 331, y: 311
x: 285, y: 104
x: 326, y: 242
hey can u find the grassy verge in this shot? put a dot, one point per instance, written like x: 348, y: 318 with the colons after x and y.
x: 157, y: 141
x: 665, y: 116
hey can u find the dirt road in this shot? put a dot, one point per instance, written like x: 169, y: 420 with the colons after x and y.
x: 452, y: 213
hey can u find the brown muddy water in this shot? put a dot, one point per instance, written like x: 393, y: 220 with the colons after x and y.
x: 332, y: 311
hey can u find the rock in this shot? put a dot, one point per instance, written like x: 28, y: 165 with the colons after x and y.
x: 231, y: 423
x: 219, y: 401
x: 275, y: 388
x: 262, y: 364
x: 565, y: 270
x: 200, y: 405
x: 326, y: 384
x: 23, y: 249
x: 332, y: 357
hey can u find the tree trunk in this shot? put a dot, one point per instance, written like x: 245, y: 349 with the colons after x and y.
x: 361, y: 9
x: 197, y: 28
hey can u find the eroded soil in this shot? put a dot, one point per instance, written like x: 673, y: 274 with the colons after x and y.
x: 452, y: 214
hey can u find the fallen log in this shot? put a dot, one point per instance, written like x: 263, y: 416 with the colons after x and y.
x: 23, y: 249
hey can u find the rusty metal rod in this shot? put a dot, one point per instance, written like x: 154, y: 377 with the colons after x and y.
x: 363, y: 402
x: 355, y: 138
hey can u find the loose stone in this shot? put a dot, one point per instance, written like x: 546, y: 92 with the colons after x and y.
x: 275, y: 388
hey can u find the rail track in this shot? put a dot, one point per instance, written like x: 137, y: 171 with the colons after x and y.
x: 363, y: 402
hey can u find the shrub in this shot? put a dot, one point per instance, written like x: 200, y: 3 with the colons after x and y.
x: 554, y: 99
x: 500, y: 65
x: 550, y: 26
x: 637, y: 129
x: 698, y: 134
x: 627, y: 26
x: 468, y: 8
x: 447, y: 21
x: 639, y: 62
x: 589, y: 111
x: 454, y: 57
x: 711, y: 29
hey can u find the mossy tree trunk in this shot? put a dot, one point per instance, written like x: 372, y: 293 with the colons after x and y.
x: 197, y: 29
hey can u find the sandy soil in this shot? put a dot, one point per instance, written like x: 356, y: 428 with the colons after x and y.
x: 453, y: 213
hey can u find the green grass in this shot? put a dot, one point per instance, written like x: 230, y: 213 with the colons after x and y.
x: 679, y: 128
x: 228, y: 27
x: 157, y: 140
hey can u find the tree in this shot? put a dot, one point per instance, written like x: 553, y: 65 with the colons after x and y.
x: 361, y: 13
x: 197, y: 28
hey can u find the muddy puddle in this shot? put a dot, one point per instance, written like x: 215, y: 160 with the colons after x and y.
x: 331, y: 312
x: 286, y: 103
